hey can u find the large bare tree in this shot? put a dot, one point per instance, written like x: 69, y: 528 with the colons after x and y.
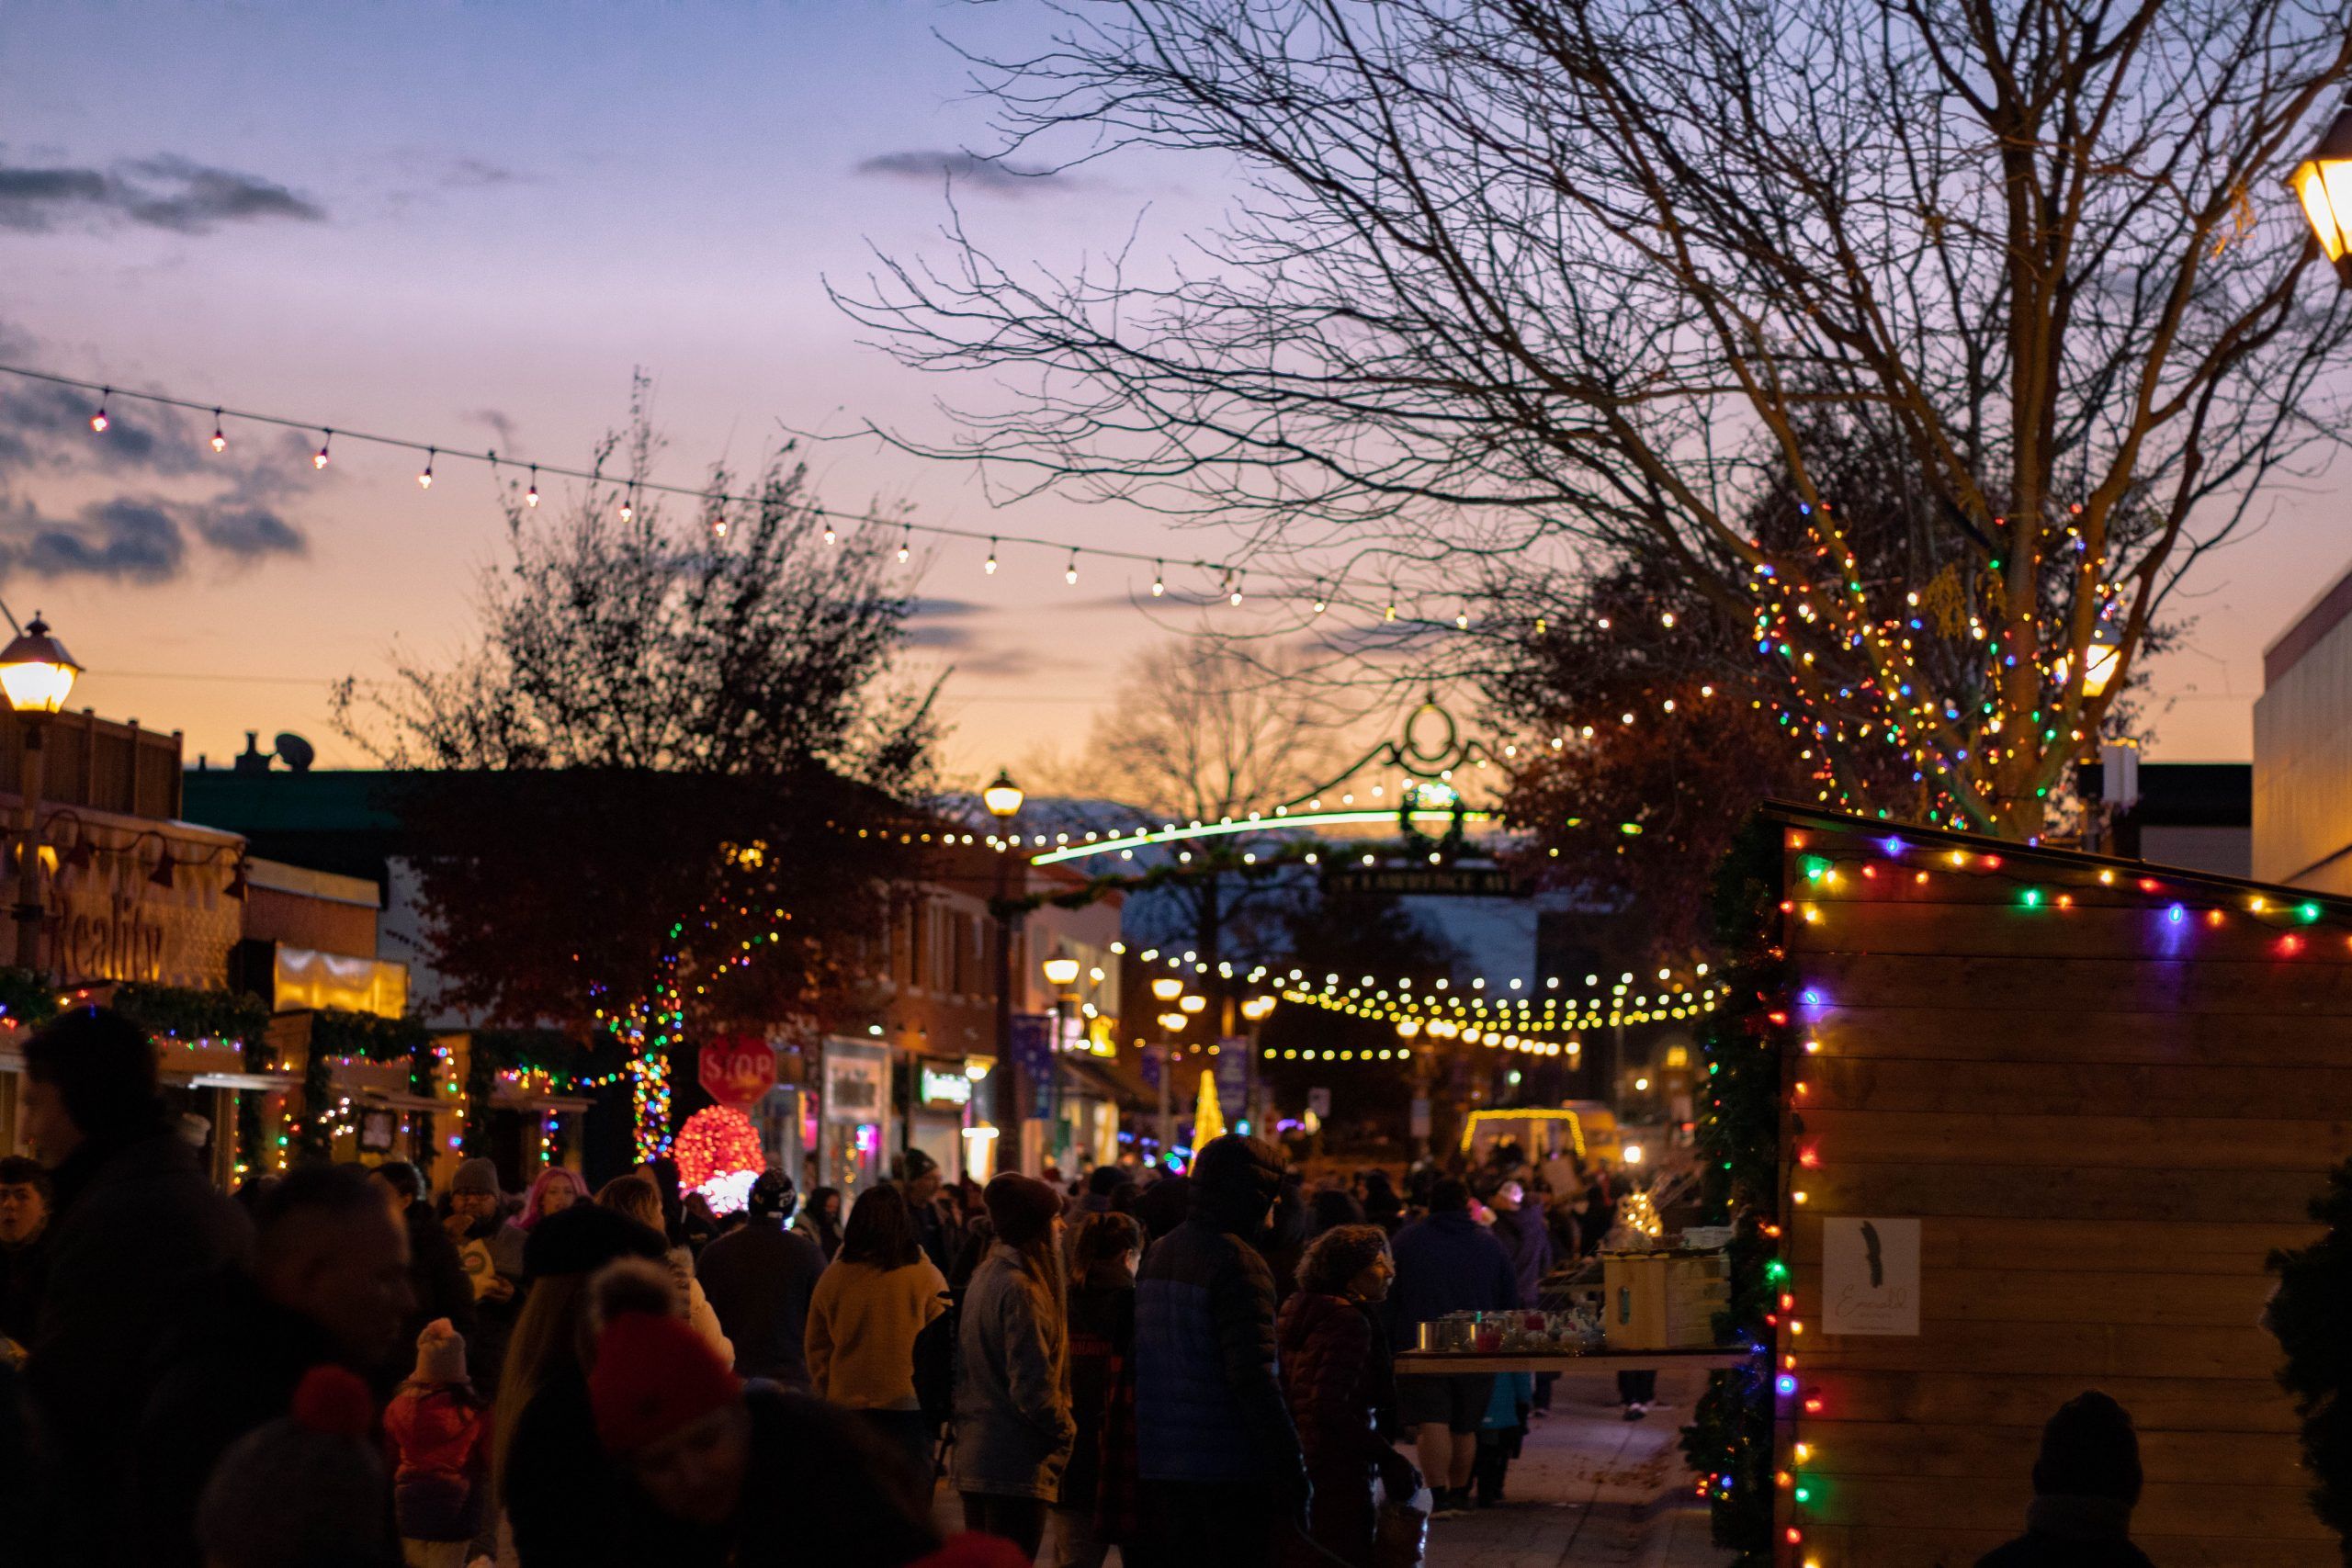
x: 1516, y: 282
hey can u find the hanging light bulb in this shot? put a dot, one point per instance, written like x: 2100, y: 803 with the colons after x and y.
x: 628, y: 504
x: 831, y: 536
x: 98, y: 421
x: 318, y: 458
x: 906, y: 544
x: 1233, y: 585
x: 990, y: 566
x: 1070, y: 572
x: 220, y: 441
x: 424, y: 475
x: 1158, y: 576
x: 531, y: 496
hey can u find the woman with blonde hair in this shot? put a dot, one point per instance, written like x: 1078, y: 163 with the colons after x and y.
x: 542, y: 1446
x: 1013, y: 1428
x: 637, y: 1197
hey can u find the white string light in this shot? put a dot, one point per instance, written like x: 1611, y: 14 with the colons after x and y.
x: 424, y: 475
x: 219, y: 438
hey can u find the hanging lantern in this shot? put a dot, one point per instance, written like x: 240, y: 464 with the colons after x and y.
x: 2323, y: 183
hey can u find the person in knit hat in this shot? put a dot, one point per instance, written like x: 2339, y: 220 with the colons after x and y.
x: 435, y: 1430
x: 1013, y: 1427
x: 2085, y: 1484
x: 1221, y: 1470
x: 752, y: 1477
x: 303, y: 1490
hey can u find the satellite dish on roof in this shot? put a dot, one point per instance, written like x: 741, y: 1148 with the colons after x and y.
x: 294, y: 751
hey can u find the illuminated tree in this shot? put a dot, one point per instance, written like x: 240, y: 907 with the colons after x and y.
x: 637, y: 798
x: 1519, y: 285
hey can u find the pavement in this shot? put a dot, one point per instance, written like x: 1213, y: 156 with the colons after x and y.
x: 1589, y: 1490
x: 1592, y: 1490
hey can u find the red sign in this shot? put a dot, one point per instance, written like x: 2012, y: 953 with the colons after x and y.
x: 737, y: 1071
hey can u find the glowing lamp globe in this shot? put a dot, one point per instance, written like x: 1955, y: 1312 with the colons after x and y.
x: 720, y: 1156
x: 1060, y: 970
x: 2099, y: 665
x: 1192, y: 1004
x: 1167, y: 988
x: 36, y: 671
x: 2323, y: 183
x: 1003, y: 797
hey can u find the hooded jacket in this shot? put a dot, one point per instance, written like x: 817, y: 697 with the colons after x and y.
x: 1527, y: 1241
x: 1204, y: 1335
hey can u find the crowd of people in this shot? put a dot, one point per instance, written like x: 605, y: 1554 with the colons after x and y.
x: 339, y: 1365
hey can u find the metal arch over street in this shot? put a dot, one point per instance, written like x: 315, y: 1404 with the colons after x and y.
x: 1257, y: 822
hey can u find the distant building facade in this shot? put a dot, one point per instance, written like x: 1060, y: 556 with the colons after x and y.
x: 2303, y: 748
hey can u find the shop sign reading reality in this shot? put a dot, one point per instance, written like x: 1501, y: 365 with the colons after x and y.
x: 110, y: 920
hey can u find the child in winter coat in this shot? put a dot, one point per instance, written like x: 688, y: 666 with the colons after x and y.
x: 436, y: 1432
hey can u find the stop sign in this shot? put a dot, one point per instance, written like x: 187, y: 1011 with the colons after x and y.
x: 737, y: 1070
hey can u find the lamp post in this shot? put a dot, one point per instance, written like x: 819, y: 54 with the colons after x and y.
x: 1003, y: 797
x: 1165, y: 990
x: 36, y: 673
x: 2323, y: 183
x: 1061, y: 974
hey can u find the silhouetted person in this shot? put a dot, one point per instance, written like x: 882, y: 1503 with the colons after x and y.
x: 135, y: 1228
x: 2086, y: 1482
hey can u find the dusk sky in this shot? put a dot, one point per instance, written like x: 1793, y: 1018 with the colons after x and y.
x: 468, y: 223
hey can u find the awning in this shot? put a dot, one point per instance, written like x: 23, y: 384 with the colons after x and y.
x: 1104, y: 1077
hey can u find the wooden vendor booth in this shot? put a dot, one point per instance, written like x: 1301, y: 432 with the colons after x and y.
x: 2041, y: 1118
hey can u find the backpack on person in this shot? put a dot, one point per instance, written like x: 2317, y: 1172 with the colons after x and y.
x: 934, y: 1355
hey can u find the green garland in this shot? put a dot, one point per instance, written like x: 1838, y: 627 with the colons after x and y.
x: 1729, y: 1441
x: 2307, y: 1315
x: 28, y: 997
x: 173, y: 1013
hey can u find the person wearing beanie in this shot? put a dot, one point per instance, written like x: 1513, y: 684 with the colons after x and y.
x: 2085, y: 1484
x: 938, y: 1230
x: 1222, y: 1477
x: 135, y: 1229
x: 434, y: 1430
x: 544, y: 1457
x: 436, y: 1274
x: 1013, y: 1428
x: 758, y: 1279
x: 713, y: 1471
x: 305, y: 1489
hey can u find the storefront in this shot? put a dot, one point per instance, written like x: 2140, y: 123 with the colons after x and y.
x: 854, y: 1129
x: 939, y: 1102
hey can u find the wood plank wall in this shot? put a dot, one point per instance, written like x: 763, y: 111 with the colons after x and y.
x: 2105, y: 1118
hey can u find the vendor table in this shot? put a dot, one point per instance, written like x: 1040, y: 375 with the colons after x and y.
x: 1414, y: 1363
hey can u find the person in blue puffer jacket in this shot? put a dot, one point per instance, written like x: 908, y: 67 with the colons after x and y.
x: 1223, y: 1479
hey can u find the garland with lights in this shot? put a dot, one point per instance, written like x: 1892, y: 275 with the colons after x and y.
x: 1729, y: 1441
x: 1229, y: 575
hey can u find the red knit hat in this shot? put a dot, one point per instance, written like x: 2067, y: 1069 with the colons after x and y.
x: 653, y: 1376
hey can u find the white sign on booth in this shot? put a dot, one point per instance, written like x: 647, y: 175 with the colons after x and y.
x: 1870, y: 1276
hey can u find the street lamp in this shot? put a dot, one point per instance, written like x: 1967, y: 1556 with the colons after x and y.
x: 1061, y: 974
x: 1167, y: 988
x: 2100, y: 662
x: 1192, y: 1004
x: 1003, y: 797
x: 2323, y: 183
x: 36, y: 673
